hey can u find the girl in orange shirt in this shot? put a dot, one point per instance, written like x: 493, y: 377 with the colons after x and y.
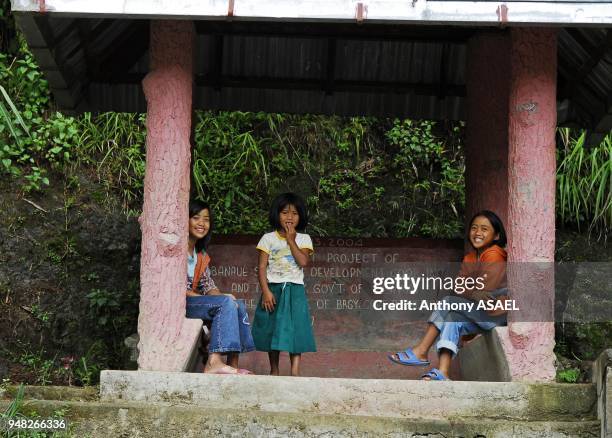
x: 488, y: 261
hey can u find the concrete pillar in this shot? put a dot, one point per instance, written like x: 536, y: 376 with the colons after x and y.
x: 486, y: 153
x: 166, y: 337
x: 531, y: 204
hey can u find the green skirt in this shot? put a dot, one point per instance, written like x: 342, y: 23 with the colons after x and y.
x: 288, y: 327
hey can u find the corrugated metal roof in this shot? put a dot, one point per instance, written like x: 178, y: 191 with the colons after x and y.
x: 380, y: 70
x: 585, y: 69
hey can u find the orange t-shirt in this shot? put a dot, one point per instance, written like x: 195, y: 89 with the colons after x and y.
x: 491, y: 265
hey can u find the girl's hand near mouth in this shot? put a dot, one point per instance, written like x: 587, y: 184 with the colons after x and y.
x: 290, y: 233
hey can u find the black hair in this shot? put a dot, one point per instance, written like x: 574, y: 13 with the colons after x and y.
x: 497, y: 224
x: 196, y: 206
x: 283, y: 200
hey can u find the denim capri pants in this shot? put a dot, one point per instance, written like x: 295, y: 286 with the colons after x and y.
x: 230, y: 330
x: 454, y: 324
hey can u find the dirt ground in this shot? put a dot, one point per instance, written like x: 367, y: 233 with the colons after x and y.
x: 57, y: 248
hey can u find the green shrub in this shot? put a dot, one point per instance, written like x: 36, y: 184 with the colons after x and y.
x: 584, y: 183
x: 18, y: 410
x: 24, y: 98
x: 568, y: 376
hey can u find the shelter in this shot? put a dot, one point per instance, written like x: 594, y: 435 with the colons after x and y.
x: 512, y: 70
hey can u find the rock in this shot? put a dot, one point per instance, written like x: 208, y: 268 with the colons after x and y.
x: 131, y: 342
x: 602, y: 377
x: 588, y: 297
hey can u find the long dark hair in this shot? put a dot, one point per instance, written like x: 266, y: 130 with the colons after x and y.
x: 280, y: 202
x: 497, y: 224
x: 196, y: 206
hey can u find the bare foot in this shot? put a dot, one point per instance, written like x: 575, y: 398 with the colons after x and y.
x: 220, y: 369
x: 274, y: 373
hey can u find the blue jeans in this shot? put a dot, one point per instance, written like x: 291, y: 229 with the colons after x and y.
x: 454, y: 324
x: 230, y: 330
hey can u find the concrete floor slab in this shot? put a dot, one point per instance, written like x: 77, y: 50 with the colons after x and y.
x: 356, y: 397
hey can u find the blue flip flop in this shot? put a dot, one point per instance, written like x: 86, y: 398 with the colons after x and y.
x: 434, y: 374
x: 408, y: 358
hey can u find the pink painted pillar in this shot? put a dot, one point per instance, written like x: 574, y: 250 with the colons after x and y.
x: 531, y: 205
x: 487, y: 87
x: 166, y: 337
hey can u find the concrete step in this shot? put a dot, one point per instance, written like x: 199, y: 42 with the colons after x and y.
x: 385, y: 398
x: 156, y: 420
x: 341, y: 364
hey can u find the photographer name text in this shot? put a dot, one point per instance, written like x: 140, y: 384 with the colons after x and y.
x: 412, y: 305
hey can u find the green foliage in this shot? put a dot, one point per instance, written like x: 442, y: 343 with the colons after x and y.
x: 36, y: 363
x: 103, y: 305
x: 343, y: 167
x: 335, y: 164
x: 111, y: 316
x: 47, y: 369
x: 87, y: 368
x: 431, y: 170
x: 35, y: 179
x: 570, y: 375
x: 583, y: 341
x: 7, y: 117
x: 114, y: 143
x: 25, y: 98
x: 60, y: 247
x: 15, y: 406
x: 40, y: 314
x: 55, y: 140
x: 25, y: 84
x: 231, y: 168
x: 17, y: 410
x: 584, y: 183
x: 10, y: 155
x: 87, y: 374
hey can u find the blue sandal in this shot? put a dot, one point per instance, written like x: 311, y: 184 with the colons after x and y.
x: 434, y: 374
x: 408, y: 358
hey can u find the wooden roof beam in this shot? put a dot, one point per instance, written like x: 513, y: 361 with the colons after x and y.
x: 128, y: 47
x: 206, y: 80
x: 67, y: 90
x: 596, y: 55
x: 68, y: 28
x: 342, y: 31
x: 338, y: 85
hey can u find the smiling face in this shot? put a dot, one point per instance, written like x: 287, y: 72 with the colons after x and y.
x: 289, y: 216
x: 482, y: 233
x: 199, y: 224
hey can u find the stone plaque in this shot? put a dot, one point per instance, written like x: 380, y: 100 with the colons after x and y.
x: 339, y: 287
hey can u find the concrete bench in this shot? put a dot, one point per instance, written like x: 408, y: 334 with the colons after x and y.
x: 483, y: 358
